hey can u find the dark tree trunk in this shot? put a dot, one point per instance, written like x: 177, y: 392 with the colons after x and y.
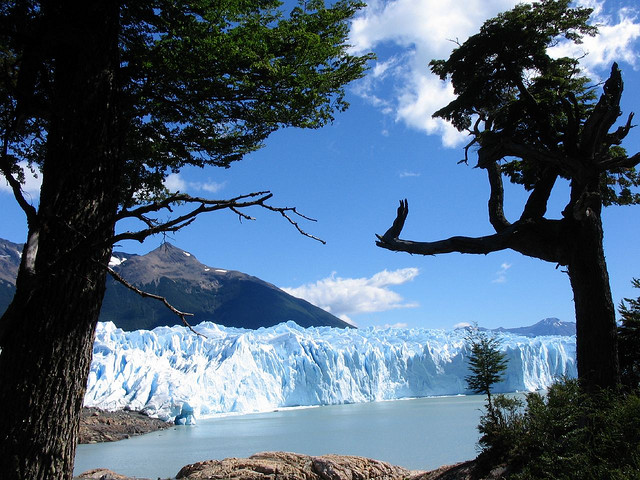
x: 46, y: 334
x: 596, y: 335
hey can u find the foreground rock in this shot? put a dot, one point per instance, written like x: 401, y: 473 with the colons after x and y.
x: 293, y: 466
x: 101, y: 426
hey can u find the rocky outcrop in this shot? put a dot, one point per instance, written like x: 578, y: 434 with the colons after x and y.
x: 293, y: 466
x: 103, y: 474
x: 101, y: 426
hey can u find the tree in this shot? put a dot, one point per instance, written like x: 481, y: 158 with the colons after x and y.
x: 629, y: 340
x: 535, y: 119
x: 105, y: 99
x: 486, y: 363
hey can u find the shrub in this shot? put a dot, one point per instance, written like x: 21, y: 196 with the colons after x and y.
x: 566, y: 435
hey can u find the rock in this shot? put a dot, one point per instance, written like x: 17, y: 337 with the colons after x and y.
x: 101, y: 426
x: 293, y: 466
x: 103, y: 474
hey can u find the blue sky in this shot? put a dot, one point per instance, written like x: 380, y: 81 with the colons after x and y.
x: 351, y: 174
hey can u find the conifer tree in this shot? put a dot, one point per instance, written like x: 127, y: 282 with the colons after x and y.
x: 486, y: 363
x: 629, y: 340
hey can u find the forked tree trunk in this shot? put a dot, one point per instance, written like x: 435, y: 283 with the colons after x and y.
x: 596, y: 329
x: 46, y: 334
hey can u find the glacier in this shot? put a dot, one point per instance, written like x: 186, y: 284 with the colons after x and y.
x: 234, y: 371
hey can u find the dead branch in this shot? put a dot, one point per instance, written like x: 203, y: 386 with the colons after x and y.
x: 539, y: 238
x: 201, y: 205
x: 144, y: 294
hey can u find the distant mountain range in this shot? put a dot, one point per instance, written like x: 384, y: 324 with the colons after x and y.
x: 547, y: 326
x: 225, y: 297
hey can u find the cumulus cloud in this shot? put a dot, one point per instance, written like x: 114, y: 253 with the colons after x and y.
x: 407, y: 34
x: 400, y: 325
x: 616, y: 41
x: 176, y: 183
x: 350, y: 296
x: 501, y: 275
x: 462, y: 325
x: 31, y: 186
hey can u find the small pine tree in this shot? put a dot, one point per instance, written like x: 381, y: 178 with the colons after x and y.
x: 629, y: 340
x: 486, y: 363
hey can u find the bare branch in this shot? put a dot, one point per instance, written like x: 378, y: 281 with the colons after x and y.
x: 539, y: 238
x: 144, y: 294
x: 284, y: 212
x: 616, y: 137
x: 398, y: 224
x: 204, y: 205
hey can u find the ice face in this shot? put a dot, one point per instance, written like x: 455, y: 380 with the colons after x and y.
x: 241, y: 371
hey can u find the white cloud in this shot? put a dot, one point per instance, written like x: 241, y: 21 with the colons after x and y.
x: 407, y: 34
x: 31, y: 186
x: 462, y: 325
x: 396, y: 325
x: 501, y: 275
x: 405, y: 174
x: 616, y: 41
x: 351, y: 296
x: 176, y: 183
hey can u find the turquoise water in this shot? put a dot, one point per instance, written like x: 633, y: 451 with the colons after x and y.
x: 419, y: 433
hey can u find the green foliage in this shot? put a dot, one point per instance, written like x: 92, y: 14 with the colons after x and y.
x: 629, y: 340
x: 201, y: 82
x: 491, y: 69
x: 567, y: 434
x: 522, y: 106
x: 500, y: 429
x: 486, y: 362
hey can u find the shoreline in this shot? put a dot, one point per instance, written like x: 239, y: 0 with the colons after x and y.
x: 97, y: 426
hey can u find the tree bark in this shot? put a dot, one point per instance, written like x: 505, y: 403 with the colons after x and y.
x: 596, y: 329
x: 46, y: 334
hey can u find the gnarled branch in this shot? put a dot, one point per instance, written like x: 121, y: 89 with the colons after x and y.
x: 144, y: 294
x: 605, y: 113
x: 539, y: 238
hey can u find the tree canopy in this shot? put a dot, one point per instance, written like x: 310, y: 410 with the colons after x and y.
x: 200, y: 83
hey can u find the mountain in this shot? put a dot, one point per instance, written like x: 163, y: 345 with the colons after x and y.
x: 221, y: 296
x: 226, y: 297
x: 9, y: 262
x: 243, y: 371
x: 547, y: 326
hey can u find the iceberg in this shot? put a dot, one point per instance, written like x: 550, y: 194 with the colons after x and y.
x: 234, y: 370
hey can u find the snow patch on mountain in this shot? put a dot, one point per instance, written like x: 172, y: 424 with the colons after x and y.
x: 241, y: 371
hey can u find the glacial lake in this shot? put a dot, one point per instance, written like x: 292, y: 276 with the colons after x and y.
x: 419, y: 434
